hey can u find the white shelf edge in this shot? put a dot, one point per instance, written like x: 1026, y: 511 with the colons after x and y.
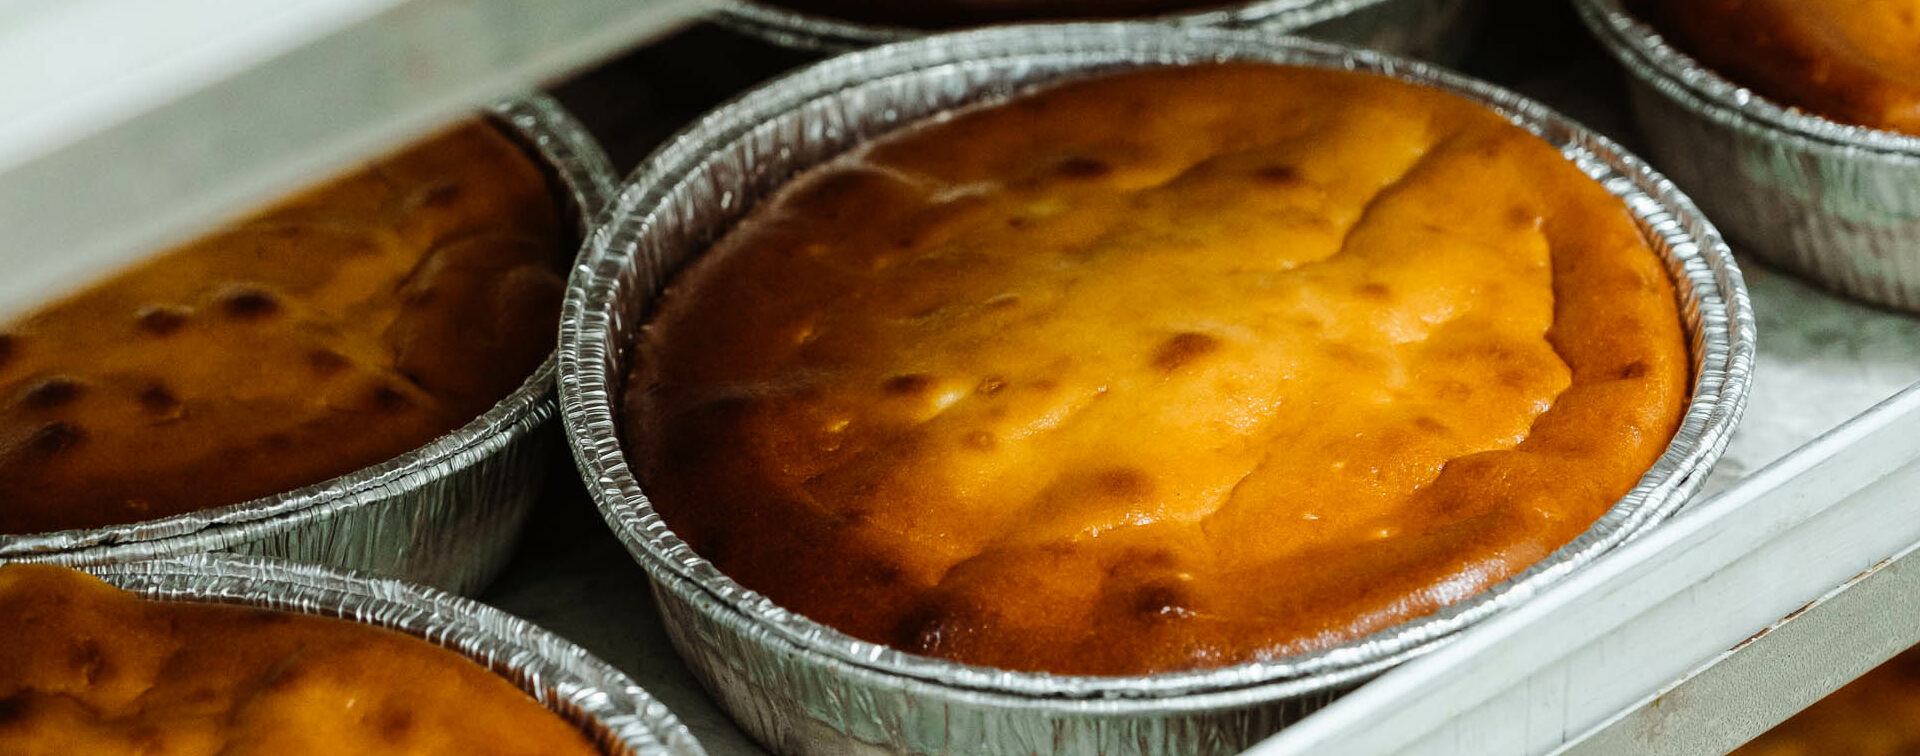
x: 1778, y: 672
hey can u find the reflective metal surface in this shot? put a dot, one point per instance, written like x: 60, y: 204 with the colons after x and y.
x: 803, y: 687
x: 445, y: 514
x: 1432, y: 29
x: 1836, y: 203
x: 615, y: 713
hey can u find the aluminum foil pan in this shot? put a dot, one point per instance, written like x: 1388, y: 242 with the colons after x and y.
x: 1834, y: 203
x: 1432, y: 29
x: 616, y: 714
x: 445, y: 514
x: 802, y: 687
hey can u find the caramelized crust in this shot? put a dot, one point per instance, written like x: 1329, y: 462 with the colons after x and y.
x: 1855, y: 61
x: 1876, y: 715
x: 331, y: 332
x: 1171, y: 369
x: 89, y: 669
x: 948, y: 14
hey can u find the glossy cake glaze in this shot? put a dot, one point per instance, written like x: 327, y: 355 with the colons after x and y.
x: 89, y: 669
x: 1854, y: 61
x: 1170, y: 369
x: 336, y: 330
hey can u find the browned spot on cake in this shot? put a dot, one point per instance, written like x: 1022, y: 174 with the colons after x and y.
x: 1136, y: 560
x: 85, y: 656
x: 157, y: 399
x: 884, y: 574
x: 50, y: 392
x: 1522, y: 217
x: 1281, y: 175
x: 910, y: 384
x: 438, y: 195
x: 1183, y: 349
x: 248, y: 303
x: 1427, y: 423
x: 7, y: 348
x: 713, y: 543
x: 268, y: 617
x: 991, y: 385
x: 1123, y: 483
x: 289, y: 675
x: 930, y: 628
x: 1376, y: 291
x: 56, y: 437
x: 160, y: 320
x: 394, y: 723
x: 1083, y: 168
x: 1634, y: 369
x: 389, y: 399
x: 277, y: 441
x: 326, y: 361
x: 1159, y: 601
x: 13, y: 708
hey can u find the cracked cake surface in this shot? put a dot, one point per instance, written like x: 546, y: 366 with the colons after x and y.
x: 90, y: 669
x: 1168, y: 369
x: 332, y: 331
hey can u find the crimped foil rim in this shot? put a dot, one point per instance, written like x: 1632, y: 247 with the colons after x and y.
x: 588, y: 178
x: 796, y: 29
x: 621, y: 716
x: 1721, y: 328
x: 1651, y: 57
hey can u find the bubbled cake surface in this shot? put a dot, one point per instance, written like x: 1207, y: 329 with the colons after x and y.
x: 89, y: 669
x: 333, y: 331
x: 1164, y: 370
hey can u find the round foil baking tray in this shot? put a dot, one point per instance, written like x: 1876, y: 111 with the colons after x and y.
x: 445, y: 514
x: 1432, y: 29
x: 802, y: 687
x: 611, y: 709
x: 1835, y: 203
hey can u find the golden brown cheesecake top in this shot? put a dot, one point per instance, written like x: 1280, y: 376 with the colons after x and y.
x: 948, y: 14
x: 89, y: 669
x: 1855, y: 61
x: 1876, y: 715
x: 333, y: 331
x: 1170, y: 369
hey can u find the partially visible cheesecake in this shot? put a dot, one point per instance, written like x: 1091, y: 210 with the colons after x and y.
x: 89, y: 669
x: 335, y: 330
x: 1854, y: 61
